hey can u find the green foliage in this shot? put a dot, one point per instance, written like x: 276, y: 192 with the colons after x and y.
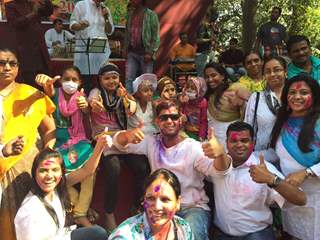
x: 118, y: 10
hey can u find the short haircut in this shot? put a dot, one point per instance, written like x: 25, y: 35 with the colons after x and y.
x: 234, y: 40
x: 240, y: 126
x: 166, y: 104
x: 295, y: 39
x: 278, y: 8
x: 57, y: 20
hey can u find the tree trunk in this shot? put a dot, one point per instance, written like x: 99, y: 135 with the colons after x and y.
x: 249, y: 10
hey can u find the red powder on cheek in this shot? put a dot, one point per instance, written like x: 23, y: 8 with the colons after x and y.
x: 309, y: 101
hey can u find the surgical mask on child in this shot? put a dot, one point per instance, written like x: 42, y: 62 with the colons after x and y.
x: 70, y: 87
x: 191, y: 94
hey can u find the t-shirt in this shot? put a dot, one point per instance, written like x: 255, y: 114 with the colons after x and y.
x: 272, y: 34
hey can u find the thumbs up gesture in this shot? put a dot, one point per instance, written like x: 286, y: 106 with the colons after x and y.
x: 82, y: 101
x: 212, y: 148
x: 259, y: 173
x: 13, y: 147
x: 96, y: 104
x: 44, y: 80
x: 135, y: 135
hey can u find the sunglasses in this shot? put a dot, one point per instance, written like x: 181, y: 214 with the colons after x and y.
x: 165, y: 117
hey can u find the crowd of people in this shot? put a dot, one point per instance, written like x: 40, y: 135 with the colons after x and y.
x: 246, y: 126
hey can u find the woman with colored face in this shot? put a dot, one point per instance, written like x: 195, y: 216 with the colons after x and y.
x: 262, y: 107
x: 253, y: 81
x: 296, y: 140
x: 158, y: 220
x: 25, y: 112
x: 223, y: 109
x: 44, y: 212
x: 72, y: 142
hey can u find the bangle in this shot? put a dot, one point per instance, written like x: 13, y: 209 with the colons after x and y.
x: 275, y: 183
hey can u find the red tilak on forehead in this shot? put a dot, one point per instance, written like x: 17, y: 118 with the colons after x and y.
x: 234, y: 135
x: 298, y: 85
x: 48, y: 162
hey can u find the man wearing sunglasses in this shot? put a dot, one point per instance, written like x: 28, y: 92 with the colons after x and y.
x: 183, y: 156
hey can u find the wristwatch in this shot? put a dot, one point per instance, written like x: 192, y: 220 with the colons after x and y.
x: 309, y: 172
x: 275, y: 183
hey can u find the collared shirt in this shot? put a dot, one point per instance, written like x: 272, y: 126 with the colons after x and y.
x: 294, y: 70
x: 182, y: 52
x: 242, y: 206
x: 137, y: 228
x: 185, y: 159
x: 52, y: 35
x: 87, y: 10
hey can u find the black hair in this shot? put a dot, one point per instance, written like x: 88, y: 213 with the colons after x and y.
x: 168, y: 176
x: 57, y: 20
x: 233, y: 40
x: 278, y: 8
x: 166, y: 104
x: 73, y: 68
x: 223, y: 86
x: 10, y: 50
x: 249, y: 53
x: 307, y: 130
x: 277, y: 58
x: 240, y: 126
x: 296, y: 39
x: 61, y: 187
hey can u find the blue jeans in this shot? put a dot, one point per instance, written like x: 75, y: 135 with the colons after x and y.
x: 136, y: 66
x: 198, y: 219
x: 232, y: 71
x: 264, y: 234
x: 93, y: 233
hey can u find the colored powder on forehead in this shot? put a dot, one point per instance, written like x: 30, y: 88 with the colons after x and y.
x: 157, y: 188
x: 298, y: 86
x: 48, y: 162
x: 234, y: 135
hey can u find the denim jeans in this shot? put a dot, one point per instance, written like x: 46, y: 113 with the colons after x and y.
x: 198, y: 219
x: 264, y: 234
x: 232, y: 71
x: 136, y: 66
x: 93, y: 233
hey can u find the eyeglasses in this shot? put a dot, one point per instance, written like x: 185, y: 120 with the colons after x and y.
x: 165, y: 117
x: 12, y: 64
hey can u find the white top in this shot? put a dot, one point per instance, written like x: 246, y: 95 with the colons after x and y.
x: 301, y: 221
x: 186, y: 160
x: 265, y: 122
x: 242, y: 206
x: 145, y: 117
x: 33, y: 222
x: 52, y: 35
x: 87, y: 10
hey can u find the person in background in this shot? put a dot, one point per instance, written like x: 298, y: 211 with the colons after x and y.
x: 232, y: 59
x: 90, y: 19
x: 27, y: 126
x: 57, y: 37
x: 162, y: 193
x: 296, y: 140
x: 303, y: 61
x: 271, y: 36
x: 142, y: 40
x: 25, y: 18
x: 167, y: 88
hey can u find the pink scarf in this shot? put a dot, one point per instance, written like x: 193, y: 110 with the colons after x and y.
x: 70, y: 109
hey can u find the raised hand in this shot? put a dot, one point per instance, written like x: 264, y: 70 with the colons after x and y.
x: 212, y: 148
x: 13, y: 147
x: 121, y: 91
x: 96, y: 104
x: 260, y: 173
x: 81, y: 100
x: 135, y: 135
x: 104, y: 140
x: 44, y: 80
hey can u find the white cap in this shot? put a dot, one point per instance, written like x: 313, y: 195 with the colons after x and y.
x: 150, y: 77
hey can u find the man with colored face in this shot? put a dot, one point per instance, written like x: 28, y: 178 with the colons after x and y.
x: 183, y: 156
x: 303, y: 61
x: 245, y: 190
x: 271, y: 35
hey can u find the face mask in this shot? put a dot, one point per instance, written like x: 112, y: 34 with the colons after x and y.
x: 191, y: 94
x: 70, y: 87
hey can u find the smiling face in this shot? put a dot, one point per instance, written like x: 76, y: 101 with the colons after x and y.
x: 213, y: 77
x: 169, y: 122
x: 160, y: 204
x: 299, y: 99
x: 8, y: 68
x: 145, y: 92
x: 240, y: 146
x: 300, y: 52
x: 109, y: 81
x: 274, y: 73
x: 253, y: 65
x: 168, y: 92
x: 49, y: 174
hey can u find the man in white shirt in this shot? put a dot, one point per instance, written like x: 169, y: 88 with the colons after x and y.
x: 245, y: 190
x: 57, y: 37
x: 91, y: 19
x: 183, y: 156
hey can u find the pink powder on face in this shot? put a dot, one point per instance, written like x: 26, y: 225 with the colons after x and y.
x: 145, y: 205
x: 171, y: 215
x: 234, y: 136
x: 298, y: 85
x: 48, y: 162
x: 308, y: 102
x: 157, y: 188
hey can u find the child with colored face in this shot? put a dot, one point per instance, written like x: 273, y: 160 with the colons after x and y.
x: 143, y: 89
x: 194, y: 106
x: 72, y: 142
x: 167, y: 88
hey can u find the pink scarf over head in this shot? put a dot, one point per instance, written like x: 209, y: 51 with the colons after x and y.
x: 70, y: 109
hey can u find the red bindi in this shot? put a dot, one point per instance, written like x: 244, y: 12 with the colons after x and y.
x: 48, y: 162
x: 298, y: 86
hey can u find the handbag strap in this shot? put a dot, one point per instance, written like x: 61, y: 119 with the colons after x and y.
x: 255, y: 124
